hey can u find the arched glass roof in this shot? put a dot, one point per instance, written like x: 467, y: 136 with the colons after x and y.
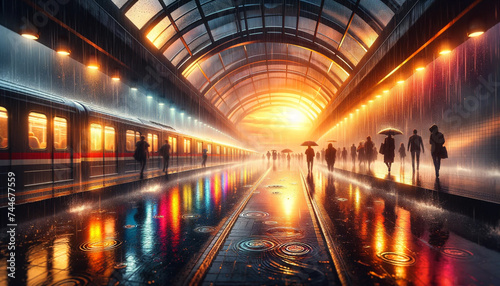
x: 243, y: 55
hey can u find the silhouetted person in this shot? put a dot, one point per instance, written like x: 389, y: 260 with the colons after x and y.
x: 318, y: 158
x: 414, y: 143
x: 268, y: 155
x: 361, y: 153
x: 436, y: 140
x: 288, y: 158
x: 275, y: 155
x: 374, y: 154
x: 389, y: 147
x: 344, y: 155
x: 330, y: 156
x: 142, y: 153
x: 323, y: 155
x: 369, y: 150
x: 310, y: 158
x: 402, y: 153
x: 204, y: 157
x: 165, y: 153
x: 353, y: 154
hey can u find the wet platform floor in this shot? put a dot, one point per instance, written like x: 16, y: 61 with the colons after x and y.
x: 156, y: 232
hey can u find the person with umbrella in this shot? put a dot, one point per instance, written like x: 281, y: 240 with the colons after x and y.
x: 389, y: 145
x: 309, y: 154
x: 436, y: 140
x: 330, y: 155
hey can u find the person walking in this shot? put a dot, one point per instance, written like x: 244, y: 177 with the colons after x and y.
x: 436, y: 140
x: 369, y: 150
x: 353, y: 154
x: 142, y: 153
x: 165, y: 153
x: 414, y: 144
x: 402, y: 153
x: 330, y: 156
x: 361, y: 153
x: 389, y: 148
x: 344, y: 156
x: 204, y: 157
x: 310, y: 158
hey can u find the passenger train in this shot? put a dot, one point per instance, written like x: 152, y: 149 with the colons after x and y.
x: 56, y: 146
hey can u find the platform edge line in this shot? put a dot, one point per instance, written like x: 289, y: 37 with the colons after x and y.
x: 211, y: 252
x: 334, y: 254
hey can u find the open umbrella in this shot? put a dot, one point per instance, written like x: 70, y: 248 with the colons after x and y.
x: 309, y: 143
x: 286, y: 151
x: 390, y: 131
x: 331, y: 141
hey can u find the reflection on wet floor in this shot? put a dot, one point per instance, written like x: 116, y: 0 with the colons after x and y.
x: 385, y: 237
x: 145, y: 236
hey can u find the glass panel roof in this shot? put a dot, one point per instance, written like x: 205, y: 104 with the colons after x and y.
x: 303, y: 50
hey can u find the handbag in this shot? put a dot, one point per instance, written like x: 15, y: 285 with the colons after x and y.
x: 381, y: 150
x: 444, y: 153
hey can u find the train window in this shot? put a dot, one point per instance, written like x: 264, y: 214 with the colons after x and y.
x: 187, y: 146
x: 109, y: 139
x: 60, y: 133
x: 149, y: 139
x: 37, y: 135
x: 130, y: 138
x: 200, y: 147
x: 174, y: 145
x: 137, y: 137
x: 4, y: 128
x: 224, y: 151
x: 209, y: 148
x: 95, y: 137
x: 155, y: 143
x: 217, y: 150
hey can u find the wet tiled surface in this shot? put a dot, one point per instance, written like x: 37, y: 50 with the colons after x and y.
x: 385, y: 237
x: 275, y: 240
x: 146, y: 235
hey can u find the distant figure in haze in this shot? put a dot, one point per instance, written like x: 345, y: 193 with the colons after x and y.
x: 279, y: 156
x: 310, y: 158
x: 436, y: 140
x: 330, y: 156
x: 344, y: 155
x: 268, y: 155
x: 142, y: 153
x: 165, y: 153
x: 389, y: 148
x: 275, y: 155
x: 402, y: 153
x: 353, y: 154
x: 374, y: 154
x: 414, y: 143
x: 323, y: 155
x: 318, y: 158
x: 288, y: 158
x: 204, y: 157
x: 369, y: 150
x: 361, y: 153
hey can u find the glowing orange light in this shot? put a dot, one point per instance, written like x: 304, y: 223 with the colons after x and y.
x: 93, y: 66
x: 386, y: 91
x: 363, y: 105
x: 475, y: 34
x: 378, y: 96
x: 419, y: 68
x: 400, y: 81
x: 444, y: 52
x: 116, y: 78
x: 370, y: 101
x: 357, y: 109
x: 31, y: 36
x: 64, y: 52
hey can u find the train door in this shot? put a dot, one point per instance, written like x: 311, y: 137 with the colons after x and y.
x: 37, y: 163
x: 199, y: 151
x: 95, y: 155
x: 217, y: 152
x: 110, y: 158
x: 62, y: 159
x: 153, y: 151
x: 224, y: 154
x: 209, y: 153
x: 187, y: 152
x: 130, y: 164
x: 172, y: 141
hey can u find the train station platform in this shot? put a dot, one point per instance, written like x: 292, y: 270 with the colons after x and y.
x: 258, y: 224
